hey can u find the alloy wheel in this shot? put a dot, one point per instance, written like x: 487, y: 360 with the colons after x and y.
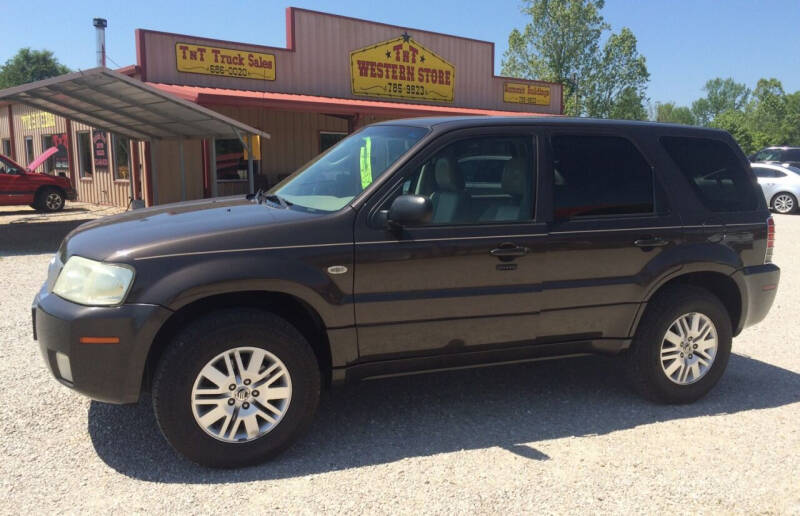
x: 783, y: 203
x: 688, y: 348
x: 53, y: 201
x: 241, y: 394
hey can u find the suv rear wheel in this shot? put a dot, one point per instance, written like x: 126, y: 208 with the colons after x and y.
x: 236, y: 388
x: 681, y: 347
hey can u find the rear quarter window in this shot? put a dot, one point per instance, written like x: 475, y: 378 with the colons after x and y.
x: 714, y: 171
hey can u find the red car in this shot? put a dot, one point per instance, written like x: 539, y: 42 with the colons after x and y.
x: 20, y: 185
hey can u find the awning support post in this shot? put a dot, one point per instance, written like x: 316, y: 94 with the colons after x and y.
x: 212, y: 142
x: 183, y: 169
x: 154, y: 171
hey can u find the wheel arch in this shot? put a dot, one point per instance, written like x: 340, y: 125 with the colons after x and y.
x: 296, y: 311
x: 779, y: 192
x: 722, y: 285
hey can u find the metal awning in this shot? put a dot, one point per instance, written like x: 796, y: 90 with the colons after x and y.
x: 111, y: 101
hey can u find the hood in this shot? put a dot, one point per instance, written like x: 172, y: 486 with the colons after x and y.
x: 187, y: 227
x: 42, y: 158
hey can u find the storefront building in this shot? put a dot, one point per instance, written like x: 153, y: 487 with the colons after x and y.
x: 335, y: 75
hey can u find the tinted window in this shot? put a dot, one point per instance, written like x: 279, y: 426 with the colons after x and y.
x: 600, y: 175
x: 716, y: 174
x: 763, y: 172
x: 477, y: 180
x: 792, y: 155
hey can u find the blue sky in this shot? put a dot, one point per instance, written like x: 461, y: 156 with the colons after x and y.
x: 686, y: 42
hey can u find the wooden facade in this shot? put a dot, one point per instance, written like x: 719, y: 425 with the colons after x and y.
x: 315, y: 64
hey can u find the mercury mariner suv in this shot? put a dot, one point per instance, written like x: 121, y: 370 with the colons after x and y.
x: 416, y: 245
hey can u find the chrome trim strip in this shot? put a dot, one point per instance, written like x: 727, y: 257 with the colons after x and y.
x: 247, y: 250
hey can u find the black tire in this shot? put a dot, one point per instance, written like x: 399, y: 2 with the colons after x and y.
x: 200, y: 342
x: 645, y: 371
x: 49, y: 200
x: 793, y: 199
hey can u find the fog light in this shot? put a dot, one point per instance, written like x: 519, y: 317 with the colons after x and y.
x: 64, y: 369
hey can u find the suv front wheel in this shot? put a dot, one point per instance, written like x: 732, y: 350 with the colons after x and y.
x: 236, y: 388
x: 681, y: 347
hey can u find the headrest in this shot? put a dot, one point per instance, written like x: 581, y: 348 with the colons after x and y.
x: 513, y: 181
x: 447, y: 177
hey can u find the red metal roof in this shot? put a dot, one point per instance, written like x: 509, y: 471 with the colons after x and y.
x: 329, y: 105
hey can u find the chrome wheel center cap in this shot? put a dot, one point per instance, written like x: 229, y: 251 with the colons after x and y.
x: 243, y: 394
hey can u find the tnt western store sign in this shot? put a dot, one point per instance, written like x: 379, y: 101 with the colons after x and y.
x: 334, y: 75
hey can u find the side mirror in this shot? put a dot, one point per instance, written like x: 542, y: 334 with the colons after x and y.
x: 410, y: 210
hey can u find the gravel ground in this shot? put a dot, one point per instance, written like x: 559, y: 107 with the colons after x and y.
x: 553, y: 437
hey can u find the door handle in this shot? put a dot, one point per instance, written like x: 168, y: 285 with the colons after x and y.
x: 509, y: 250
x: 651, y: 242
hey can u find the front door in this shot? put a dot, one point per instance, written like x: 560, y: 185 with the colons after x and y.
x: 15, y: 187
x: 470, y: 279
x: 611, y: 223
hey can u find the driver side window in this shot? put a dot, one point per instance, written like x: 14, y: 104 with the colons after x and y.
x: 477, y: 181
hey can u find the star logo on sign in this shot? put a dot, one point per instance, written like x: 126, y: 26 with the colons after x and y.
x: 422, y: 58
x: 406, y: 36
x: 388, y: 54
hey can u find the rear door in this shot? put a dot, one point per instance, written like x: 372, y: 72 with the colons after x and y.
x: 610, y: 224
x: 470, y: 279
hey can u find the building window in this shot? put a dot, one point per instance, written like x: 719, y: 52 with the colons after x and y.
x: 28, y: 149
x: 328, y: 139
x: 85, y: 155
x: 122, y: 158
x: 50, y: 164
x: 6, y: 147
x: 231, y: 165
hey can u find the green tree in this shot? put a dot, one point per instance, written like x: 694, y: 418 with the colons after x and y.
x: 562, y: 44
x: 721, y: 95
x: 737, y: 123
x: 668, y: 112
x: 28, y: 66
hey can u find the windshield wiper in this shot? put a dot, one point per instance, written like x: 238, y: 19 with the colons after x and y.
x: 260, y: 197
x: 278, y: 199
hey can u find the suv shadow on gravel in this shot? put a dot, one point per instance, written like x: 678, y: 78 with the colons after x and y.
x: 509, y: 407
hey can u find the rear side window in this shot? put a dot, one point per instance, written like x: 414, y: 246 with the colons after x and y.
x: 599, y: 175
x: 763, y: 172
x: 792, y: 155
x: 716, y: 174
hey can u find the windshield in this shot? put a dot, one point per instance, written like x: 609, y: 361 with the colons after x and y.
x: 334, y: 178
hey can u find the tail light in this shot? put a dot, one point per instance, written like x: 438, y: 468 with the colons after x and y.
x: 770, y: 240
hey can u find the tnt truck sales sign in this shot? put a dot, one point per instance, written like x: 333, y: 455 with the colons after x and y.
x: 224, y: 61
x: 401, y: 68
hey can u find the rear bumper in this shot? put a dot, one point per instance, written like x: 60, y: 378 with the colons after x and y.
x: 106, y: 372
x: 758, y: 285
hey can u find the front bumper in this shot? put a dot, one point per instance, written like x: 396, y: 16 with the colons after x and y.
x: 759, y: 285
x: 104, y: 372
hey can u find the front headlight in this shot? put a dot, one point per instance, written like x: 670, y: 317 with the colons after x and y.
x: 88, y: 282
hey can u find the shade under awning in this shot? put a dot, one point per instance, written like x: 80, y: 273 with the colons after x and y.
x: 114, y: 102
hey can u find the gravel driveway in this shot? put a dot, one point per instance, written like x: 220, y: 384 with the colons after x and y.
x: 560, y: 436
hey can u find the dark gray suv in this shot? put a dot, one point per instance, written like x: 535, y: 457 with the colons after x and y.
x: 416, y: 245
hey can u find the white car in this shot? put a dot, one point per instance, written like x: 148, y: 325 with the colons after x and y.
x: 780, y: 184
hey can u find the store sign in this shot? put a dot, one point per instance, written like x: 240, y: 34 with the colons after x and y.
x: 100, y: 146
x: 38, y: 120
x: 226, y: 62
x: 401, y: 68
x: 522, y: 93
